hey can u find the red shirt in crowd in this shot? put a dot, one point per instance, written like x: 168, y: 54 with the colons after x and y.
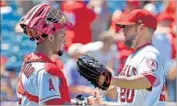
x: 82, y: 17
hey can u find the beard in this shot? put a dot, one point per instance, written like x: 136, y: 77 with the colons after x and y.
x: 129, y: 42
x: 59, y: 52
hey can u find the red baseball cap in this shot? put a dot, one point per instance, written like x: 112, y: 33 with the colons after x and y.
x: 138, y: 16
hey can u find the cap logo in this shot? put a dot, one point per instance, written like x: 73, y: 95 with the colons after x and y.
x: 140, y: 21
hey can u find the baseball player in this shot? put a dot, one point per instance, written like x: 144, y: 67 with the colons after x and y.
x: 41, y: 80
x: 141, y: 82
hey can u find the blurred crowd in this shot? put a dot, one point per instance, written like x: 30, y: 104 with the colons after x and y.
x: 94, y: 33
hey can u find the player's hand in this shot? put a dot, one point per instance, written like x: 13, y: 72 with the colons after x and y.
x: 96, y: 99
x: 101, y: 80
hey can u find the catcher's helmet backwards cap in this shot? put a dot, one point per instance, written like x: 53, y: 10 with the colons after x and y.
x: 43, y: 20
x: 139, y: 16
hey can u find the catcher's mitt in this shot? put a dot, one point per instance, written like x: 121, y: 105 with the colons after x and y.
x: 94, y: 72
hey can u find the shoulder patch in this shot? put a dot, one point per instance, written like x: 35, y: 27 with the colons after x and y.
x: 152, y: 64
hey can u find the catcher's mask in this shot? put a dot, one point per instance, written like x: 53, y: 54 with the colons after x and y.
x: 43, y: 20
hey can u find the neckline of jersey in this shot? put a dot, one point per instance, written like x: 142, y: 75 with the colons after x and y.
x: 147, y: 44
x: 44, y: 57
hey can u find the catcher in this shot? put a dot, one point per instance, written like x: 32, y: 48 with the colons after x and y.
x: 41, y: 81
x: 141, y: 82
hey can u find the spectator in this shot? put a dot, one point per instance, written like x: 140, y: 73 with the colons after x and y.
x: 171, y: 7
x: 6, y: 88
x: 170, y: 11
x: 81, y: 17
x: 154, y: 6
x: 24, y: 6
x: 104, y: 50
x: 77, y: 84
x: 151, y: 7
x: 3, y: 3
x: 13, y: 80
x: 5, y: 8
x: 166, y: 21
x: 171, y: 83
x: 173, y: 40
x: 102, y: 17
x: 172, y: 72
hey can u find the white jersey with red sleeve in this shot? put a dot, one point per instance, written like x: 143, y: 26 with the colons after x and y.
x: 146, y: 61
x: 37, y: 85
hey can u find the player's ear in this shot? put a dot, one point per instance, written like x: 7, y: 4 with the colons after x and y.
x: 140, y: 28
x: 51, y: 38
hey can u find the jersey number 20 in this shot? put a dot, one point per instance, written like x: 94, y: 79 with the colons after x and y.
x: 127, y: 95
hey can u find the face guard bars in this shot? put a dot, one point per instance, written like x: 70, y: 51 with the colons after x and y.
x: 43, y: 20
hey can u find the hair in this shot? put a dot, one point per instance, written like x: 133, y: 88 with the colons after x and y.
x: 151, y: 31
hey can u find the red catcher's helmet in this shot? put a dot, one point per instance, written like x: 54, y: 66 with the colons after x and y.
x: 43, y: 20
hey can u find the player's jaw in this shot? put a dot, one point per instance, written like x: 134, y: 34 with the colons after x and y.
x: 130, y: 40
x: 59, y: 45
x: 130, y: 36
x: 59, y: 49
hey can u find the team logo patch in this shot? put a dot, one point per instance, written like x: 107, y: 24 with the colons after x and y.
x: 152, y: 64
x: 51, y: 86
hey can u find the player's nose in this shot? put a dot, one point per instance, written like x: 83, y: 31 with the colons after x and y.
x: 124, y: 30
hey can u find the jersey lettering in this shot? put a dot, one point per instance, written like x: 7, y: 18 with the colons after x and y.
x: 134, y: 71
x: 127, y: 95
x: 51, y: 87
x: 128, y: 71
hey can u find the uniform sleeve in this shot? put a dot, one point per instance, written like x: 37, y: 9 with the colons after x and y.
x: 151, y: 68
x: 48, y: 86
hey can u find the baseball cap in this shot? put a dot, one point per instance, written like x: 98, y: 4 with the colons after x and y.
x: 138, y: 16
